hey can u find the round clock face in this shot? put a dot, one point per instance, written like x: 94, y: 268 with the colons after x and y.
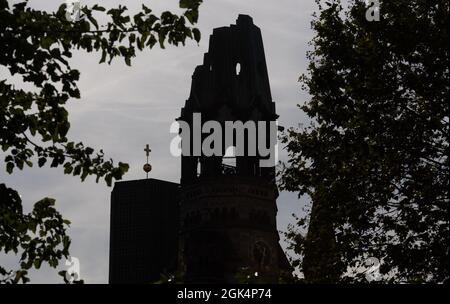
x: 261, y: 254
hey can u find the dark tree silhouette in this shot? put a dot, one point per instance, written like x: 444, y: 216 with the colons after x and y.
x: 374, y: 160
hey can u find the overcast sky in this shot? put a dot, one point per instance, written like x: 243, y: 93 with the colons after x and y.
x: 123, y: 108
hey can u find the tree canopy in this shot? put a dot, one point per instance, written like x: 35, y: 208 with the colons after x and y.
x: 374, y: 159
x: 37, y: 46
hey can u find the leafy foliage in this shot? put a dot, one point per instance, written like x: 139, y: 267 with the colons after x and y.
x: 374, y: 160
x: 37, y: 46
x: 40, y: 235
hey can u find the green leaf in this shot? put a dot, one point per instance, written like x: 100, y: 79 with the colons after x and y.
x: 132, y: 38
x: 46, y: 42
x: 197, y: 34
x: 37, y: 264
x: 98, y: 8
x: 151, y: 41
x: 108, y: 179
x: 128, y: 60
x: 186, y: 4
x: 92, y: 20
x: 103, y: 56
x: 68, y: 168
x: 123, y: 50
x: 9, y: 167
x: 192, y: 16
x: 146, y: 9
x: 77, y: 170
x: 84, y: 174
x: 124, y: 167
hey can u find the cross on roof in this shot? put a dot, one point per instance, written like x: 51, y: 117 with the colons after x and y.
x: 147, y: 150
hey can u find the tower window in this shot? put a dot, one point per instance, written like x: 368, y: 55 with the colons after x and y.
x: 230, y: 156
x: 238, y: 69
x: 199, y: 168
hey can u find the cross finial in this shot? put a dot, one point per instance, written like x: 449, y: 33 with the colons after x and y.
x: 147, y: 150
x: 147, y: 167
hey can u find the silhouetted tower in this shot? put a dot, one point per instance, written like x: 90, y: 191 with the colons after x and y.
x: 228, y: 206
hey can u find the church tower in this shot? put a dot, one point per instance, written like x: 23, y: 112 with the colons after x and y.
x: 228, y: 203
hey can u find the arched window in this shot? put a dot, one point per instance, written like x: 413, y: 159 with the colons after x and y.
x: 199, y: 168
x: 229, y: 158
x: 238, y: 69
